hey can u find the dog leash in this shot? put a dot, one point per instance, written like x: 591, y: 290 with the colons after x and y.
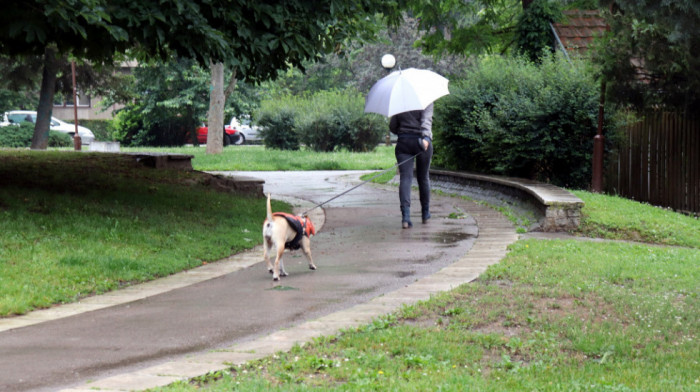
x: 360, y: 184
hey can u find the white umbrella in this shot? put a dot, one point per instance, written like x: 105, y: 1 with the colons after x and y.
x: 405, y: 90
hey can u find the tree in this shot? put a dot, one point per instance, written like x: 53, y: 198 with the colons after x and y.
x: 216, y: 109
x: 359, y: 66
x: 252, y: 38
x: 467, y: 27
x: 98, y: 29
x: 279, y: 37
x: 533, y: 32
x: 489, y: 26
x: 651, y: 58
x: 165, y: 103
x: 19, y: 82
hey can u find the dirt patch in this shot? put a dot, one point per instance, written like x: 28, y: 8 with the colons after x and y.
x: 501, y: 327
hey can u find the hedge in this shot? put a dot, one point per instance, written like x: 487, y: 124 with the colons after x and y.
x: 512, y: 117
x: 14, y: 136
x: 325, y: 121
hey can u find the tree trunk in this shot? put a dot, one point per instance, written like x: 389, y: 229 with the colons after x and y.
x: 40, y: 140
x: 526, y: 3
x: 215, y: 136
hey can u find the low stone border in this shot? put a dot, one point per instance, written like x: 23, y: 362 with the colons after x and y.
x: 163, y: 160
x: 556, y: 209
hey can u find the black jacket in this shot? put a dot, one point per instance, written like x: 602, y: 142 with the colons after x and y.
x: 416, y: 122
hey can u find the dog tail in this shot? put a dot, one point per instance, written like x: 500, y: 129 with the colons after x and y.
x: 269, y: 209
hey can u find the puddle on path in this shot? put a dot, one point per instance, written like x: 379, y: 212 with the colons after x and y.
x: 451, y: 237
x: 283, y: 288
x: 403, y: 274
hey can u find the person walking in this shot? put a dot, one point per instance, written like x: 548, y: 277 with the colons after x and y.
x: 414, y: 131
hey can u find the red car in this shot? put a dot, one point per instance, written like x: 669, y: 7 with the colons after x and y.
x: 231, y: 136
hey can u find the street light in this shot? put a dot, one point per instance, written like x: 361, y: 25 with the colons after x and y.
x: 388, y: 62
x: 77, y: 142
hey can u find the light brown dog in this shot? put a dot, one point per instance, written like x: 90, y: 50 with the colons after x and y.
x: 283, y: 230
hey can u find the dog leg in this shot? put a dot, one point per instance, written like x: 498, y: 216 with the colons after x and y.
x: 282, y: 271
x: 267, y: 247
x: 306, y: 247
x: 278, y: 261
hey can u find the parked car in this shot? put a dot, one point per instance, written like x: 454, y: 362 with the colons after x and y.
x: 249, y: 132
x: 15, y: 117
x: 231, y: 135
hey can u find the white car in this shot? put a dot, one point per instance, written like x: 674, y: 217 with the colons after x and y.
x: 18, y: 116
x: 248, y: 132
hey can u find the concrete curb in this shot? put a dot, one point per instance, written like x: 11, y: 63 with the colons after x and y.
x: 496, y: 233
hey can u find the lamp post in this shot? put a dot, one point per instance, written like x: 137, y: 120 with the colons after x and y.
x: 598, y: 146
x: 77, y: 142
x: 388, y: 62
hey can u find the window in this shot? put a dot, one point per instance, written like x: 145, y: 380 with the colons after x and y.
x: 67, y: 101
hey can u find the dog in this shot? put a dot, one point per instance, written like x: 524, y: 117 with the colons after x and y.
x: 283, y: 230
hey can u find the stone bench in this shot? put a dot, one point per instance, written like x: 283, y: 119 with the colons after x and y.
x: 163, y: 160
x: 556, y: 209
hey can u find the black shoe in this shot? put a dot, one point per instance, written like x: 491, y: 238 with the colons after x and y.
x: 426, y: 217
x: 406, y: 218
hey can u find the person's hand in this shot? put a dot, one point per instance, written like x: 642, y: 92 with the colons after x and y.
x: 426, y: 144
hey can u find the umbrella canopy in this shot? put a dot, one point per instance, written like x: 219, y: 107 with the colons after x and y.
x: 405, y: 90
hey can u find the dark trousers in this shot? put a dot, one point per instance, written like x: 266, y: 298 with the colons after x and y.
x: 406, y: 148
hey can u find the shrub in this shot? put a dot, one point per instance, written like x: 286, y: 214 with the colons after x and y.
x: 58, y: 139
x: 512, y: 117
x: 103, y: 129
x: 277, y: 129
x: 21, y: 137
x: 325, y: 121
x: 365, y: 133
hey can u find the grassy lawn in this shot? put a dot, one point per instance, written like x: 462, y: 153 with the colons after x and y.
x: 257, y: 158
x: 77, y: 224
x: 617, y: 218
x: 552, y: 316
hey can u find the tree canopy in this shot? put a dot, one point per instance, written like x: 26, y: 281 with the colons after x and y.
x: 651, y: 58
x: 254, y: 38
x: 467, y: 27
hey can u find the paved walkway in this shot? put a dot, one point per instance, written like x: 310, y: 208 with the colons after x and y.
x: 226, y: 313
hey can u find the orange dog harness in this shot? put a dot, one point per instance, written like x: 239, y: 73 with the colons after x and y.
x: 301, y: 225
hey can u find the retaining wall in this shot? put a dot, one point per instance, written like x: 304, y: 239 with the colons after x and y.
x: 555, y: 209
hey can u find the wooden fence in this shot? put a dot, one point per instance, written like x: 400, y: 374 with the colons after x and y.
x: 659, y: 163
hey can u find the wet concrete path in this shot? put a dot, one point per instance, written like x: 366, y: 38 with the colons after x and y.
x: 361, y: 253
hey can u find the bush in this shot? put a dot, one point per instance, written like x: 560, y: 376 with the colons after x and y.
x: 21, y: 136
x: 104, y: 130
x: 58, y: 139
x: 365, y: 133
x: 325, y: 121
x: 129, y: 129
x: 277, y: 130
x: 512, y: 117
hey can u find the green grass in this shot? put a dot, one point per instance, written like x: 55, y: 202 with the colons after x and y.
x: 258, y: 158
x: 552, y: 316
x: 618, y: 218
x: 77, y: 224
